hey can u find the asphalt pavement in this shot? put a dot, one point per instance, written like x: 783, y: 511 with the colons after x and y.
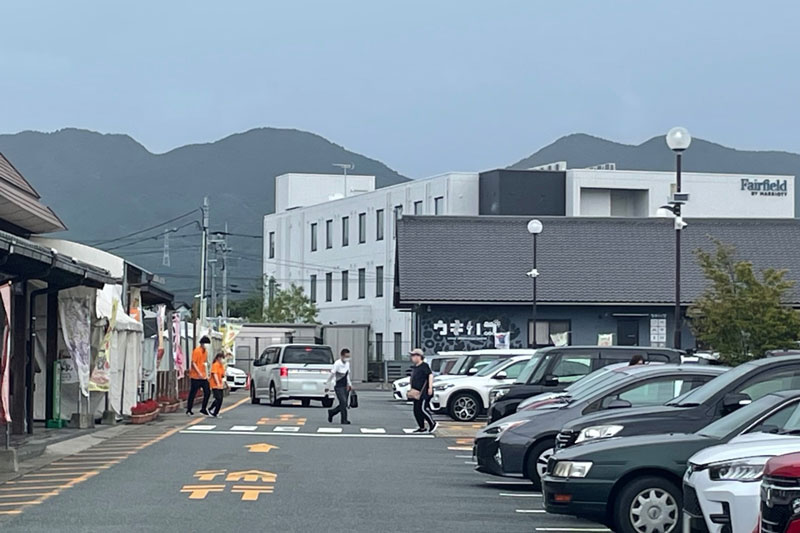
x: 261, y: 468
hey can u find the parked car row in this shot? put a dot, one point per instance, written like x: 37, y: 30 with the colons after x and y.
x: 654, y: 447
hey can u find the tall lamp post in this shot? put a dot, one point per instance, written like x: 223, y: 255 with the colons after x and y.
x: 678, y: 140
x: 534, y: 228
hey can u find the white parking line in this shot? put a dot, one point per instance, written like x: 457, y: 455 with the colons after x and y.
x: 565, y: 529
x: 473, y: 463
x: 244, y: 428
x: 286, y: 429
x: 463, y: 457
x: 521, y: 495
x: 324, y: 435
x: 409, y: 431
x: 509, y: 483
x: 373, y: 430
x: 329, y: 430
x: 203, y: 428
x: 460, y: 448
x: 531, y: 511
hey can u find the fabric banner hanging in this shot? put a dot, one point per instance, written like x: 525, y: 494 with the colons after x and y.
x: 5, y: 414
x: 99, y: 380
x: 76, y: 326
x: 176, y: 344
x: 161, y: 311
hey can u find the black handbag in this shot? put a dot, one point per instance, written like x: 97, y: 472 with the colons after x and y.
x: 353, y: 400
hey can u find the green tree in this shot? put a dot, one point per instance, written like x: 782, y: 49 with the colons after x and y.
x: 290, y: 306
x: 740, y: 315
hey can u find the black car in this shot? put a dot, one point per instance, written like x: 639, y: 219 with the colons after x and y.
x: 633, y: 484
x: 563, y: 365
x: 692, y: 411
x: 521, y: 444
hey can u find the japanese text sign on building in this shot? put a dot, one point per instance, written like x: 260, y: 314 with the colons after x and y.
x: 457, y: 328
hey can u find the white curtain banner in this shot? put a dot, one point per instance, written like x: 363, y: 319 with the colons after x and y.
x: 76, y: 327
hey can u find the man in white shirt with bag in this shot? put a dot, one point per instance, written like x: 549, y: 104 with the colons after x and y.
x: 340, y: 376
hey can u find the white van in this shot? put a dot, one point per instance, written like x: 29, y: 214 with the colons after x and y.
x: 292, y: 372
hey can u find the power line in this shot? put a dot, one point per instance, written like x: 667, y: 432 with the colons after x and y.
x: 154, y: 237
x: 129, y: 235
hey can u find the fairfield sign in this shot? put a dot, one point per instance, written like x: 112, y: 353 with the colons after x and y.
x: 765, y: 187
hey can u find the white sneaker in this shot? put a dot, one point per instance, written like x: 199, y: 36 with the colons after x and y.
x: 434, y: 428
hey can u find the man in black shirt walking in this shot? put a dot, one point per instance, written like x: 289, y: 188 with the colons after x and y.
x: 421, y: 392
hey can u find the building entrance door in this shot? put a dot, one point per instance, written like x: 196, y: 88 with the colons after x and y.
x: 628, y: 332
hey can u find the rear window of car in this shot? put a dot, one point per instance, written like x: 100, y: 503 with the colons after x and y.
x: 307, y: 355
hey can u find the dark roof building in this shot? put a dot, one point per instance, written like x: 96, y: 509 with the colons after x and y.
x: 465, y: 278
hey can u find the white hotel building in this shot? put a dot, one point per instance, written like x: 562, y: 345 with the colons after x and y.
x: 334, y: 235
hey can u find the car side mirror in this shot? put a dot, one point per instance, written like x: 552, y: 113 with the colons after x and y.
x: 472, y: 371
x: 501, y: 375
x: 735, y: 400
x: 550, y: 380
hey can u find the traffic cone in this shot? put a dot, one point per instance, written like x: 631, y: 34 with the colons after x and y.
x: 247, y: 383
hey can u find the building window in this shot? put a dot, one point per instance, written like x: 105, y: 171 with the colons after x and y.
x: 329, y: 234
x: 438, y: 205
x: 379, y: 221
x: 418, y: 207
x: 345, y: 276
x: 314, y: 237
x: 398, y: 214
x: 546, y: 329
x: 271, y: 289
x: 379, y: 346
x: 398, y: 345
x: 345, y: 231
x: 379, y: 282
x: 312, y: 291
x: 328, y: 287
x: 272, y: 245
x: 362, y: 228
x: 362, y: 283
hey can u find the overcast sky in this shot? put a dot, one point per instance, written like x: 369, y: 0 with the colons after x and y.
x: 425, y: 86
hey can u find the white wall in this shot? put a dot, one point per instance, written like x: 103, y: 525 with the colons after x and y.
x: 711, y: 195
x: 295, y: 262
x: 297, y: 190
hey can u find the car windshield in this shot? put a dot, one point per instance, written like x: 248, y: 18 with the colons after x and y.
x: 702, y: 394
x: 590, y: 379
x: 308, y: 355
x: 529, y: 368
x: 600, y: 383
x: 491, y: 367
x: 727, y: 424
x: 457, y: 366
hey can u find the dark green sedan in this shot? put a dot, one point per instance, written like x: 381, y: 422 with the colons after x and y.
x: 633, y: 484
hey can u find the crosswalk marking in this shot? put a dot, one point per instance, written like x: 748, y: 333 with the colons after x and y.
x: 531, y: 511
x: 407, y: 431
x: 244, y: 428
x: 329, y: 430
x: 373, y: 430
x: 286, y: 429
x: 200, y: 427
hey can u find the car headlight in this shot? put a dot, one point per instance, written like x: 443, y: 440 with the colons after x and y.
x: 496, y: 394
x: 403, y: 382
x: 572, y: 468
x: 746, y: 470
x: 598, y: 432
x: 443, y: 386
x: 501, y: 428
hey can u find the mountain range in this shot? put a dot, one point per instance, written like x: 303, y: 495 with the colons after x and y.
x: 106, y: 186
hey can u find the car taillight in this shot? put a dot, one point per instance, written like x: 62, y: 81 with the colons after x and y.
x: 284, y: 372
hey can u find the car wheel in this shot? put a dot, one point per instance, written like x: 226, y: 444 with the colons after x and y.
x: 537, y: 461
x: 255, y: 400
x: 327, y: 402
x: 273, y: 397
x: 305, y: 402
x: 465, y: 407
x: 649, y: 505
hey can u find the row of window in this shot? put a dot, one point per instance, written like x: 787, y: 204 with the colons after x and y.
x: 398, y: 346
x: 345, y: 285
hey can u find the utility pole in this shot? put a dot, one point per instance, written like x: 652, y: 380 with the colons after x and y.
x: 213, y: 264
x: 225, y: 251
x: 204, y: 265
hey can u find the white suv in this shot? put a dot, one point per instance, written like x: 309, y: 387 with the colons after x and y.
x: 722, y: 484
x: 292, y: 372
x: 466, y: 398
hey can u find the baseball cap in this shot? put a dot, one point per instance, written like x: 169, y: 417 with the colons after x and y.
x: 417, y: 351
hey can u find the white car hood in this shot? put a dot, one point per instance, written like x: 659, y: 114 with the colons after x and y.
x: 750, y: 445
x: 233, y: 371
x: 471, y: 381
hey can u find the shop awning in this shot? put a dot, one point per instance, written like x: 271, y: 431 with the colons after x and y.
x: 22, y: 259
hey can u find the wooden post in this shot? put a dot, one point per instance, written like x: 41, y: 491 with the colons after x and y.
x: 19, y: 307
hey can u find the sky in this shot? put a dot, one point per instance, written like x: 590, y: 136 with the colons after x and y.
x: 424, y: 86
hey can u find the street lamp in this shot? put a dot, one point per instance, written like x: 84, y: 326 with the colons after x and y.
x: 534, y: 228
x: 678, y: 139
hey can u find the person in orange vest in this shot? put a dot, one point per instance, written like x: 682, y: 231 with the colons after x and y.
x: 217, y: 383
x: 199, y: 376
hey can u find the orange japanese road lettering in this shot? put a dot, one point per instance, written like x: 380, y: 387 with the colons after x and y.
x: 250, y: 493
x: 252, y: 476
x: 208, y: 475
x: 199, y: 492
